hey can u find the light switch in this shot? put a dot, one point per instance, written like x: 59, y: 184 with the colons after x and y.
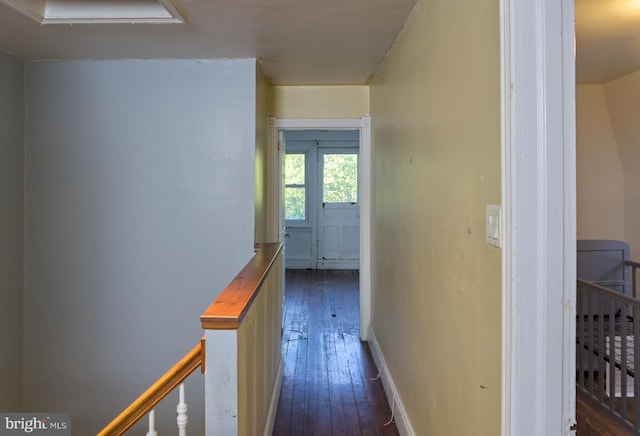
x: 493, y: 226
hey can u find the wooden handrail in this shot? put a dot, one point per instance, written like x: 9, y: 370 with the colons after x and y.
x: 231, y: 306
x: 160, y: 389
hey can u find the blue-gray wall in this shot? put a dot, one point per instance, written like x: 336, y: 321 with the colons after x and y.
x: 139, y: 210
x: 11, y: 230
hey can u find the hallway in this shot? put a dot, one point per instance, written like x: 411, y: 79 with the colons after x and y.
x: 329, y: 385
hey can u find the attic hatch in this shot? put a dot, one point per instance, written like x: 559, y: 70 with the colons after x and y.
x: 99, y: 11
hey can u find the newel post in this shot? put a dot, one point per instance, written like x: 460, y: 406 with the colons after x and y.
x: 221, y: 383
x: 243, y: 336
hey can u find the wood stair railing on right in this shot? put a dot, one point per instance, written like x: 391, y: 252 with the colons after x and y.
x: 634, y: 276
x: 145, y: 403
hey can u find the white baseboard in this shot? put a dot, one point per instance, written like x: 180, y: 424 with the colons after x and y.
x: 275, y: 398
x: 395, y: 402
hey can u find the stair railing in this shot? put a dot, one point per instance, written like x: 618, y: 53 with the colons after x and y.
x: 146, y: 402
x: 634, y: 269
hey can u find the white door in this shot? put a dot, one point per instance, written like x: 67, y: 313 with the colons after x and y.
x: 338, y: 209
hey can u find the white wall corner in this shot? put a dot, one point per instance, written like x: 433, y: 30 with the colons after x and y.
x: 365, y: 227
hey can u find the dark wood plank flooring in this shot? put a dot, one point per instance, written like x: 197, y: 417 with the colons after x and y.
x: 330, y: 385
x: 593, y: 421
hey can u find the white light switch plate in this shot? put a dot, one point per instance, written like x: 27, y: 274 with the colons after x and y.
x: 494, y: 226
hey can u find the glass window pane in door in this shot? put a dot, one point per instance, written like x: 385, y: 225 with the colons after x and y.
x: 340, y: 178
x: 294, y: 203
x: 294, y: 169
x: 295, y: 192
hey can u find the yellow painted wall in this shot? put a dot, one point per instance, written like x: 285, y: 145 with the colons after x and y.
x: 600, y: 183
x: 623, y: 100
x: 436, y: 285
x: 262, y: 158
x: 259, y: 353
x: 320, y: 101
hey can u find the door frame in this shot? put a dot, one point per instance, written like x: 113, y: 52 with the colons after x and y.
x: 539, y: 212
x: 363, y: 126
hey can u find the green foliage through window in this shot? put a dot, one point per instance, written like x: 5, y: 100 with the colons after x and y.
x: 340, y: 178
x: 294, y: 191
x: 339, y: 185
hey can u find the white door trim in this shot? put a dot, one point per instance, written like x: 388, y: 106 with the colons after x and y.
x: 363, y: 125
x: 538, y: 196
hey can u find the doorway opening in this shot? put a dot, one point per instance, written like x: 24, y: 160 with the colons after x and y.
x: 321, y: 199
x: 359, y: 128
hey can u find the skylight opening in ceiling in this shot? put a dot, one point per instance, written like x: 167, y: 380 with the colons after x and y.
x: 99, y: 11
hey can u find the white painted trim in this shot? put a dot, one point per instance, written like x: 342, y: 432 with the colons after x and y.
x: 539, y: 205
x: 363, y: 125
x: 274, y: 199
x: 31, y: 9
x: 175, y: 9
x: 365, y: 228
x: 395, y: 401
x: 275, y: 398
x: 319, y: 123
x: 570, y: 215
x: 131, y: 20
x: 506, y: 218
x: 66, y: 12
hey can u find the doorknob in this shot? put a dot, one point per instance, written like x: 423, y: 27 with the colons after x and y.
x: 287, y: 235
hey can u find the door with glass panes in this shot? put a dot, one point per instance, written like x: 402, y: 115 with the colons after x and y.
x: 322, y: 221
x: 338, y: 210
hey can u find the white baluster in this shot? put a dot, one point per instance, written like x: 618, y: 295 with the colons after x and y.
x: 182, y: 414
x: 152, y: 424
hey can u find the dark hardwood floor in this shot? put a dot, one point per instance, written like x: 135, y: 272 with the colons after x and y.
x: 330, y: 385
x: 592, y: 421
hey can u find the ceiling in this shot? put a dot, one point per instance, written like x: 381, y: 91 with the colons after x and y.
x: 309, y: 42
x: 298, y: 41
x: 607, y: 39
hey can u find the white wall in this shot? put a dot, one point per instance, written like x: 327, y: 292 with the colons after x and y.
x: 623, y: 100
x: 139, y: 210
x: 11, y: 230
x: 600, y: 182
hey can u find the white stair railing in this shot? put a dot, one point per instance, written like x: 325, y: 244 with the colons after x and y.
x: 182, y: 414
x: 152, y: 424
x: 181, y: 420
